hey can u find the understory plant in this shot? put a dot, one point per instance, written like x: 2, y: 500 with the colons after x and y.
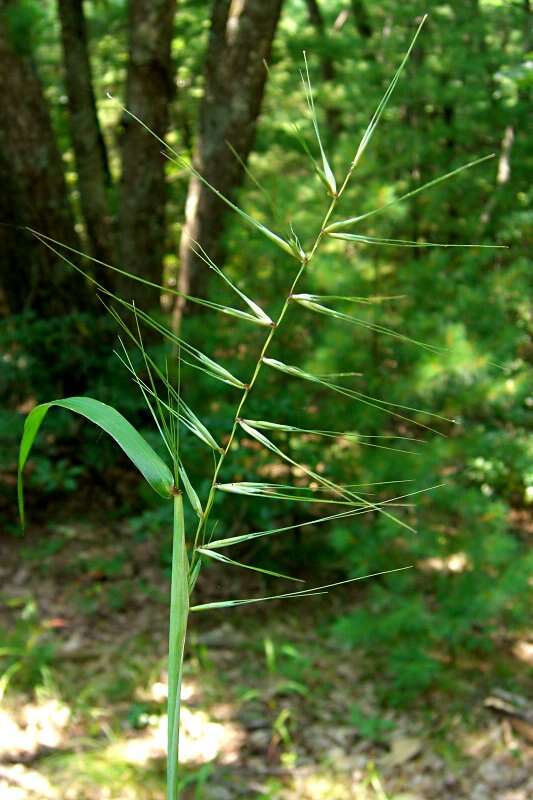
x: 160, y: 385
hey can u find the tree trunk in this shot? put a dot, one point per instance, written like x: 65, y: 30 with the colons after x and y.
x: 240, y: 42
x: 87, y: 140
x: 33, y: 192
x: 149, y: 89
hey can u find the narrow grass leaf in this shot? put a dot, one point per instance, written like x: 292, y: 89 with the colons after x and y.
x: 245, y: 537
x: 149, y: 464
x: 223, y: 309
x: 383, y: 102
x: 359, y: 438
x: 189, y: 490
x: 330, y: 312
x: 302, y: 593
x: 225, y: 560
x: 186, y: 415
x: 317, y: 298
x: 382, y: 405
x: 258, y: 312
x: 328, y: 172
x: 345, y: 223
x: 333, y: 487
x: 353, y: 237
x: 278, y: 240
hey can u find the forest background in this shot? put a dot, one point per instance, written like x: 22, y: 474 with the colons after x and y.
x: 221, y: 83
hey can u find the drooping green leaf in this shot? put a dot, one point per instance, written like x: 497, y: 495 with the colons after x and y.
x: 112, y: 422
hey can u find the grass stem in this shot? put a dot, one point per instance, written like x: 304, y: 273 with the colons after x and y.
x: 179, y: 613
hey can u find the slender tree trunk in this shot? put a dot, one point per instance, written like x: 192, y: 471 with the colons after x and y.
x: 87, y: 140
x: 240, y: 42
x: 150, y: 87
x: 33, y: 192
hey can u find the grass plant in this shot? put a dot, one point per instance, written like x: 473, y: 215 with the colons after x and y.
x: 160, y: 386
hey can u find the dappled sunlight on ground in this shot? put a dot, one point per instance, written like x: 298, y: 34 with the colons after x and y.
x: 201, y: 739
x: 268, y: 710
x: 46, y: 753
x: 31, y: 727
x: 18, y: 782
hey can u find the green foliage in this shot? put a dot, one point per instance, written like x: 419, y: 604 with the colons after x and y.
x: 369, y: 726
x: 55, y: 477
x: 26, y: 649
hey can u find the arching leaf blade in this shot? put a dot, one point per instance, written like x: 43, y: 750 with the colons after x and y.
x: 140, y: 453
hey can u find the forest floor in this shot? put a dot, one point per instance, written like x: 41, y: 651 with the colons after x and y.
x: 272, y: 706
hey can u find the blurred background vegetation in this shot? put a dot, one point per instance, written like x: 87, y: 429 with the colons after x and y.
x: 220, y: 80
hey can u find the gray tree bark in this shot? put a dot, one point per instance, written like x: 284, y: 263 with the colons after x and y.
x: 242, y: 32
x: 150, y: 87
x: 33, y: 192
x: 88, y: 143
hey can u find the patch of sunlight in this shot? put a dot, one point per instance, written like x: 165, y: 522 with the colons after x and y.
x: 523, y: 651
x: 18, y: 782
x: 26, y: 728
x: 201, y: 741
x: 457, y: 562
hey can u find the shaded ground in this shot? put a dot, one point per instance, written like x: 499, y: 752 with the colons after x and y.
x: 273, y: 707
